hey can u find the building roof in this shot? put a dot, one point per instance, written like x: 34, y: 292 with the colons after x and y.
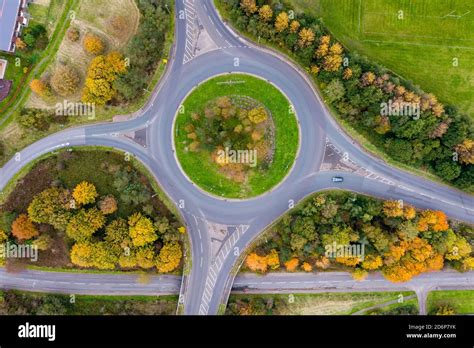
x: 5, y: 87
x: 9, y: 10
x: 3, y: 67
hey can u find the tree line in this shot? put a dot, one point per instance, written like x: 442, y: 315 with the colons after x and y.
x: 438, y: 138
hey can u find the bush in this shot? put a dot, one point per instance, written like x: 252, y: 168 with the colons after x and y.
x: 145, y: 49
x: 93, y: 44
x: 40, y: 88
x: 73, y: 34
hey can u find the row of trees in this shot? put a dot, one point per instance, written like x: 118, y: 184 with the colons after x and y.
x: 101, y: 239
x: 388, y: 236
x: 438, y: 139
x: 145, y: 49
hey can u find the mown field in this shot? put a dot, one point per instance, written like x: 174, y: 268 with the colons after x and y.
x: 418, y: 39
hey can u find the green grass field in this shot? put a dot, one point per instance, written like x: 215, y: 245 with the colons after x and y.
x: 461, y: 300
x: 417, y: 39
x: 330, y: 303
x: 14, y: 302
x: 205, y: 173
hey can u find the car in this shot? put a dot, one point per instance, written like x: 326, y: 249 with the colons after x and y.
x: 337, y: 179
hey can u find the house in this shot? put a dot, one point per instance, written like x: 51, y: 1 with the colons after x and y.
x: 12, y: 20
x: 5, y: 87
x: 3, y: 68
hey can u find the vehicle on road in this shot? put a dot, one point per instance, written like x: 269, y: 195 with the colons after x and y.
x: 337, y: 179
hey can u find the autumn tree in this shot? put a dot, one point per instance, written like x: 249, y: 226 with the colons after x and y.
x: 20, y: 44
x: 145, y: 257
x: 322, y: 262
x: 84, y: 224
x: 85, y: 193
x: 372, y: 262
x: 98, y: 255
x: 141, y: 230
x: 393, y: 208
x: 102, y: 73
x: 82, y: 254
x: 169, y: 257
x: 457, y: 247
x: 294, y: 26
x: 314, y: 69
x: 292, y: 264
x: 359, y: 274
x: 323, y: 47
x: 305, y: 37
x: 43, y: 242
x: 409, y: 212
x: 40, y: 88
x: 249, y: 7
x: 108, y: 205
x: 73, y: 34
x: 273, y: 260
x: 256, y: 263
x: 307, y: 267
x: 265, y: 13
x: 281, y: 22
x: 52, y: 206
x: 93, y: 44
x: 116, y: 232
x: 3, y: 236
x: 465, y: 150
x: 332, y: 62
x: 347, y: 73
x: 23, y: 228
x: 349, y: 261
x: 433, y: 220
x: 103, y: 256
x: 65, y: 80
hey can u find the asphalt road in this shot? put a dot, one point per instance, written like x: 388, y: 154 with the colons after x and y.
x: 247, y: 283
x: 210, y: 280
x: 271, y: 283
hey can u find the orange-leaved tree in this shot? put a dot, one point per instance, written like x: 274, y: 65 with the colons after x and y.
x: 23, y: 228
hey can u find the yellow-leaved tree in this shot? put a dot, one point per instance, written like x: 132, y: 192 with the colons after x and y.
x: 85, y: 193
x: 265, y: 13
x: 282, y: 22
x: 169, y: 257
x: 141, y: 230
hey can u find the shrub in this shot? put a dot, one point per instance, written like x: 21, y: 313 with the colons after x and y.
x: 65, y: 80
x: 73, y: 34
x: 93, y: 44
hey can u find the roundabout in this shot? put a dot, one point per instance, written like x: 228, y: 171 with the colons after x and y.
x: 236, y: 136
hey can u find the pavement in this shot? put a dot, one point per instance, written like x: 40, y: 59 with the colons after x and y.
x: 205, y: 47
x: 246, y: 283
